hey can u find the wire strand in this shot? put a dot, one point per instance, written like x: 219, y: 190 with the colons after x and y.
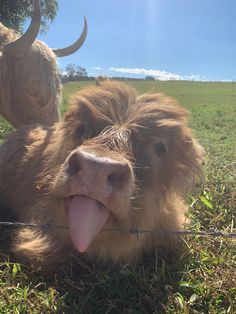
x: 132, y: 231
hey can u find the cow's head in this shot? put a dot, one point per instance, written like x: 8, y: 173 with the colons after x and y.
x: 118, y: 161
x: 129, y: 159
x: 30, y: 86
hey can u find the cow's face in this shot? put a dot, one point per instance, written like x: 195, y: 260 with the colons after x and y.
x: 126, y: 156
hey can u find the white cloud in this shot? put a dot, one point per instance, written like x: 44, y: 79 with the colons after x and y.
x: 162, y: 75
x: 158, y: 74
x: 96, y: 68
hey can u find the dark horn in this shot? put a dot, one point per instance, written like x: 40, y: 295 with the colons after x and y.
x: 75, y: 46
x: 20, y: 46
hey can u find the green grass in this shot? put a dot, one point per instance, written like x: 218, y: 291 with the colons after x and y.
x: 203, y: 280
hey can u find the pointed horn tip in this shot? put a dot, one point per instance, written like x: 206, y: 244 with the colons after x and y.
x: 37, y: 9
x: 21, y: 45
x: 75, y: 46
x: 36, y: 6
x: 85, y: 24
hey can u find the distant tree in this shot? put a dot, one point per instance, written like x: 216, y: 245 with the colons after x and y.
x: 81, y: 71
x: 150, y: 78
x: 75, y: 72
x: 71, y: 70
x: 13, y: 13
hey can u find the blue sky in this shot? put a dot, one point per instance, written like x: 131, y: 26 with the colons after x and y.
x: 181, y: 39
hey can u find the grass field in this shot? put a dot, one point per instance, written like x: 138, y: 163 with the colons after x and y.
x: 203, y: 280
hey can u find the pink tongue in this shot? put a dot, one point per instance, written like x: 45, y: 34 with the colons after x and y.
x: 86, y: 219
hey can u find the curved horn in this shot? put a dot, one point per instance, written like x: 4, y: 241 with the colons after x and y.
x: 75, y: 46
x: 20, y: 46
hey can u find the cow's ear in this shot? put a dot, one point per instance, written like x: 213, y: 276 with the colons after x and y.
x: 191, y: 155
x: 195, y: 149
x: 71, y: 115
x: 77, y: 113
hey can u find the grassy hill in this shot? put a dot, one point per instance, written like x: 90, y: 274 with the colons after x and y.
x: 203, y: 280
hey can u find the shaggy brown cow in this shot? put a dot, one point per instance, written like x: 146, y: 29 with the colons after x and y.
x: 30, y: 86
x: 118, y: 161
x: 100, y: 79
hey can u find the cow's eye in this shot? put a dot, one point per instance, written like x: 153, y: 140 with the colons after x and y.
x: 160, y: 149
x: 80, y: 131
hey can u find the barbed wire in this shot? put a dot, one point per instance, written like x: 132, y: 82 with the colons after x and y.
x: 134, y: 231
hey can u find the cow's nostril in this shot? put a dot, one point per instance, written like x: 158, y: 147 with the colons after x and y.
x: 73, y: 165
x: 118, y: 179
x: 113, y: 179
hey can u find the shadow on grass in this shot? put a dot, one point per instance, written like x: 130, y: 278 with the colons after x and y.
x: 140, y: 288
x: 85, y: 287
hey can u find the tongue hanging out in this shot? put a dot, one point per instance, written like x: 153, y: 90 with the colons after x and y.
x: 86, y: 218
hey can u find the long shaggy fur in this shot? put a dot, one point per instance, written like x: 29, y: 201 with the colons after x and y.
x: 148, y: 131
x: 30, y: 87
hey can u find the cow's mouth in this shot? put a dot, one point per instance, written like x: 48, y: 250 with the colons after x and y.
x: 86, y: 218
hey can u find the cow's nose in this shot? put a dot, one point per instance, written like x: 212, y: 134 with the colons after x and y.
x: 107, y: 170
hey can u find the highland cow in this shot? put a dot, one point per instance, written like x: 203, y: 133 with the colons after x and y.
x: 101, y: 78
x: 118, y: 161
x: 30, y: 86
